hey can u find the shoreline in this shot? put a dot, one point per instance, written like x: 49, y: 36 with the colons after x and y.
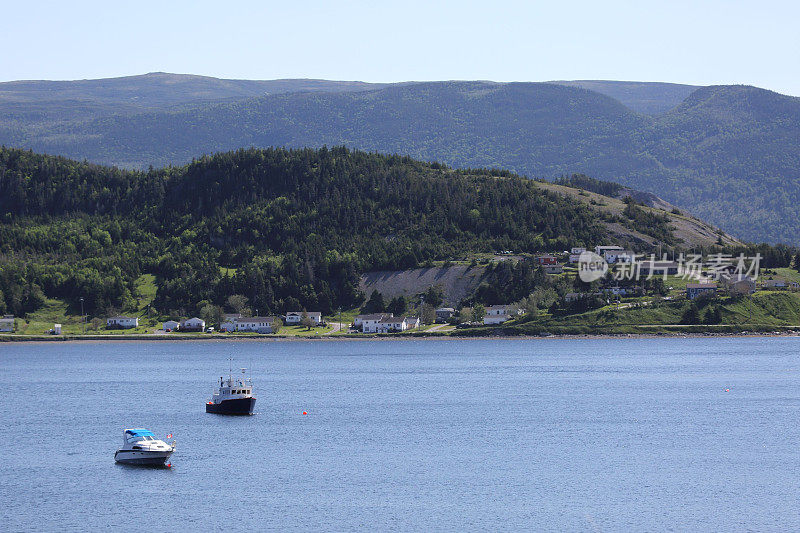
x: 12, y: 338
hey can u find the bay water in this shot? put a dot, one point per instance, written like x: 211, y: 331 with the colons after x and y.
x: 636, y: 434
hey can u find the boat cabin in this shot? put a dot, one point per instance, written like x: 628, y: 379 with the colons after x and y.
x: 136, y: 435
x: 233, y: 388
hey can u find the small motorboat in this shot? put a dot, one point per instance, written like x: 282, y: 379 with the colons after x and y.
x: 233, y: 397
x: 141, y: 447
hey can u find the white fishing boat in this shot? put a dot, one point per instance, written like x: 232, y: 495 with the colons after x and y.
x: 141, y: 447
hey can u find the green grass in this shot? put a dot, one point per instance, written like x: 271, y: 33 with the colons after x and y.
x: 789, y: 274
x: 302, y: 331
x: 146, y: 291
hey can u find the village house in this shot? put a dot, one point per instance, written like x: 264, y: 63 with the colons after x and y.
x: 497, y: 314
x: 575, y: 254
x: 296, y: 317
x: 573, y: 296
x: 553, y: 269
x: 546, y: 259
x: 658, y: 268
x: 229, y: 321
x: 617, y: 291
x: 369, y: 323
x: 738, y: 284
x: 412, y: 322
x: 694, y: 290
x: 258, y: 324
x: 619, y: 256
x: 443, y: 314
x: 774, y: 284
x: 193, y: 324
x: 601, y: 250
x: 7, y: 324
x: 391, y: 324
x: 171, y: 325
x: 123, y: 322
x: 490, y: 320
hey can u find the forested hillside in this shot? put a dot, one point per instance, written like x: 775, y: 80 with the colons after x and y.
x: 727, y: 154
x: 287, y: 229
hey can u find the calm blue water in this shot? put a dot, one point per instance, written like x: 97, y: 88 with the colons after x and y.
x: 598, y: 435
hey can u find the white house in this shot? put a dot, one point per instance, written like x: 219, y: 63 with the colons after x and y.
x: 56, y: 329
x: 497, y: 314
x: 296, y: 317
x: 369, y: 323
x: 390, y: 324
x: 575, y: 254
x: 7, y: 324
x: 490, y: 320
x: 601, y: 250
x: 259, y: 324
x: 124, y: 322
x: 497, y: 310
x: 171, y: 325
x: 193, y: 324
x: 553, y: 269
x: 412, y: 322
x: 619, y: 256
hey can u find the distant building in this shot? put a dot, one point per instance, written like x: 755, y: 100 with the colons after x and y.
x: 547, y: 259
x: 575, y: 254
x: 619, y: 256
x: 412, y: 322
x: 296, y: 317
x: 573, y: 296
x: 171, y: 325
x: 497, y: 314
x: 443, y: 314
x: 553, y: 269
x: 658, y: 268
x: 774, y: 284
x: 391, y: 324
x: 7, y: 324
x: 56, y: 329
x: 123, y: 322
x: 693, y: 290
x: 738, y: 284
x: 369, y: 323
x: 193, y: 324
x: 601, y: 250
x: 257, y: 324
x: 490, y: 320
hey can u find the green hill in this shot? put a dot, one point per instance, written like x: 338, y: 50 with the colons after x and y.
x: 285, y: 228
x: 728, y: 154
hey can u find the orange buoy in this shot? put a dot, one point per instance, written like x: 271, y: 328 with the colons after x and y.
x: 305, y: 413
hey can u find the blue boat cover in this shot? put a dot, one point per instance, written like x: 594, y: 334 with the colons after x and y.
x: 139, y: 433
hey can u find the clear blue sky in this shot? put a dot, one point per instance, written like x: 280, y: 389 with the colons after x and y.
x: 698, y: 42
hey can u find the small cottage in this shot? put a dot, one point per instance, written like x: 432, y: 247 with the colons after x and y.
x: 122, y: 322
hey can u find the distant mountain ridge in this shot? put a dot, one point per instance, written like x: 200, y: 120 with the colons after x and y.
x: 650, y: 98
x: 729, y: 154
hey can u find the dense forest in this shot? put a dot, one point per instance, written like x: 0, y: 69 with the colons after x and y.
x: 285, y: 228
x: 722, y: 148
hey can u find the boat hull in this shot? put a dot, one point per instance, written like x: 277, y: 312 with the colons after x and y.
x: 236, y: 406
x: 142, y: 457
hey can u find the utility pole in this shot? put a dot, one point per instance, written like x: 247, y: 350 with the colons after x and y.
x: 340, y: 319
x: 83, y: 317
